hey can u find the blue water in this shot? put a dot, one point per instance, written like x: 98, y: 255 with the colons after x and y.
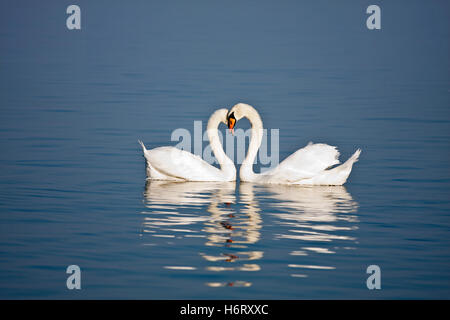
x: 72, y: 177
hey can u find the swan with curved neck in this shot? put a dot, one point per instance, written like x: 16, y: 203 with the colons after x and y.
x: 170, y: 163
x: 307, y: 166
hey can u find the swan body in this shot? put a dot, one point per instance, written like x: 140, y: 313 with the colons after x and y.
x: 173, y: 164
x: 307, y: 166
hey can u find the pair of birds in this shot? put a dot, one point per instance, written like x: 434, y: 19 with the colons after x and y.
x: 307, y: 166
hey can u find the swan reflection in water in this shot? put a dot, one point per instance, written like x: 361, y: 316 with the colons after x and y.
x: 177, y: 210
x: 235, y: 236
x: 316, y: 219
x: 308, y: 216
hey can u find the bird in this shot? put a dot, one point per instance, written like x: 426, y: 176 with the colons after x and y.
x: 307, y: 166
x: 173, y: 164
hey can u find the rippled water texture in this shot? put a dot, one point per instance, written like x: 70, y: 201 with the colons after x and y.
x: 73, y: 188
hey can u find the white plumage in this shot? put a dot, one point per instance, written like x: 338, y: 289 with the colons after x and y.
x: 170, y: 163
x: 307, y: 166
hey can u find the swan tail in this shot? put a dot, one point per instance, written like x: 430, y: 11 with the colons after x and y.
x: 148, y: 168
x: 354, y: 158
x: 152, y: 173
x: 336, y: 176
x: 346, y: 167
x: 142, y: 145
x: 343, y: 171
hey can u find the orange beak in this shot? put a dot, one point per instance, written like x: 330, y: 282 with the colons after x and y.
x: 231, y: 123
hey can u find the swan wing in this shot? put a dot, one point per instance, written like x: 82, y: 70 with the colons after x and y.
x: 180, y: 164
x: 306, y: 162
x: 336, y: 176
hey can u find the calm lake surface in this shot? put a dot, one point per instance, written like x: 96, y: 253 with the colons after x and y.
x: 73, y: 187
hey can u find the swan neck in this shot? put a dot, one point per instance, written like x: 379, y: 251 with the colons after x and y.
x: 252, y: 115
x: 212, y: 129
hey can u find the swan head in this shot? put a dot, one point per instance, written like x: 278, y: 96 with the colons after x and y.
x: 231, y: 122
x: 236, y: 113
x: 220, y: 115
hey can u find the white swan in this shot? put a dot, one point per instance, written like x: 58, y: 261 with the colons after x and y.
x: 306, y: 166
x: 170, y: 163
